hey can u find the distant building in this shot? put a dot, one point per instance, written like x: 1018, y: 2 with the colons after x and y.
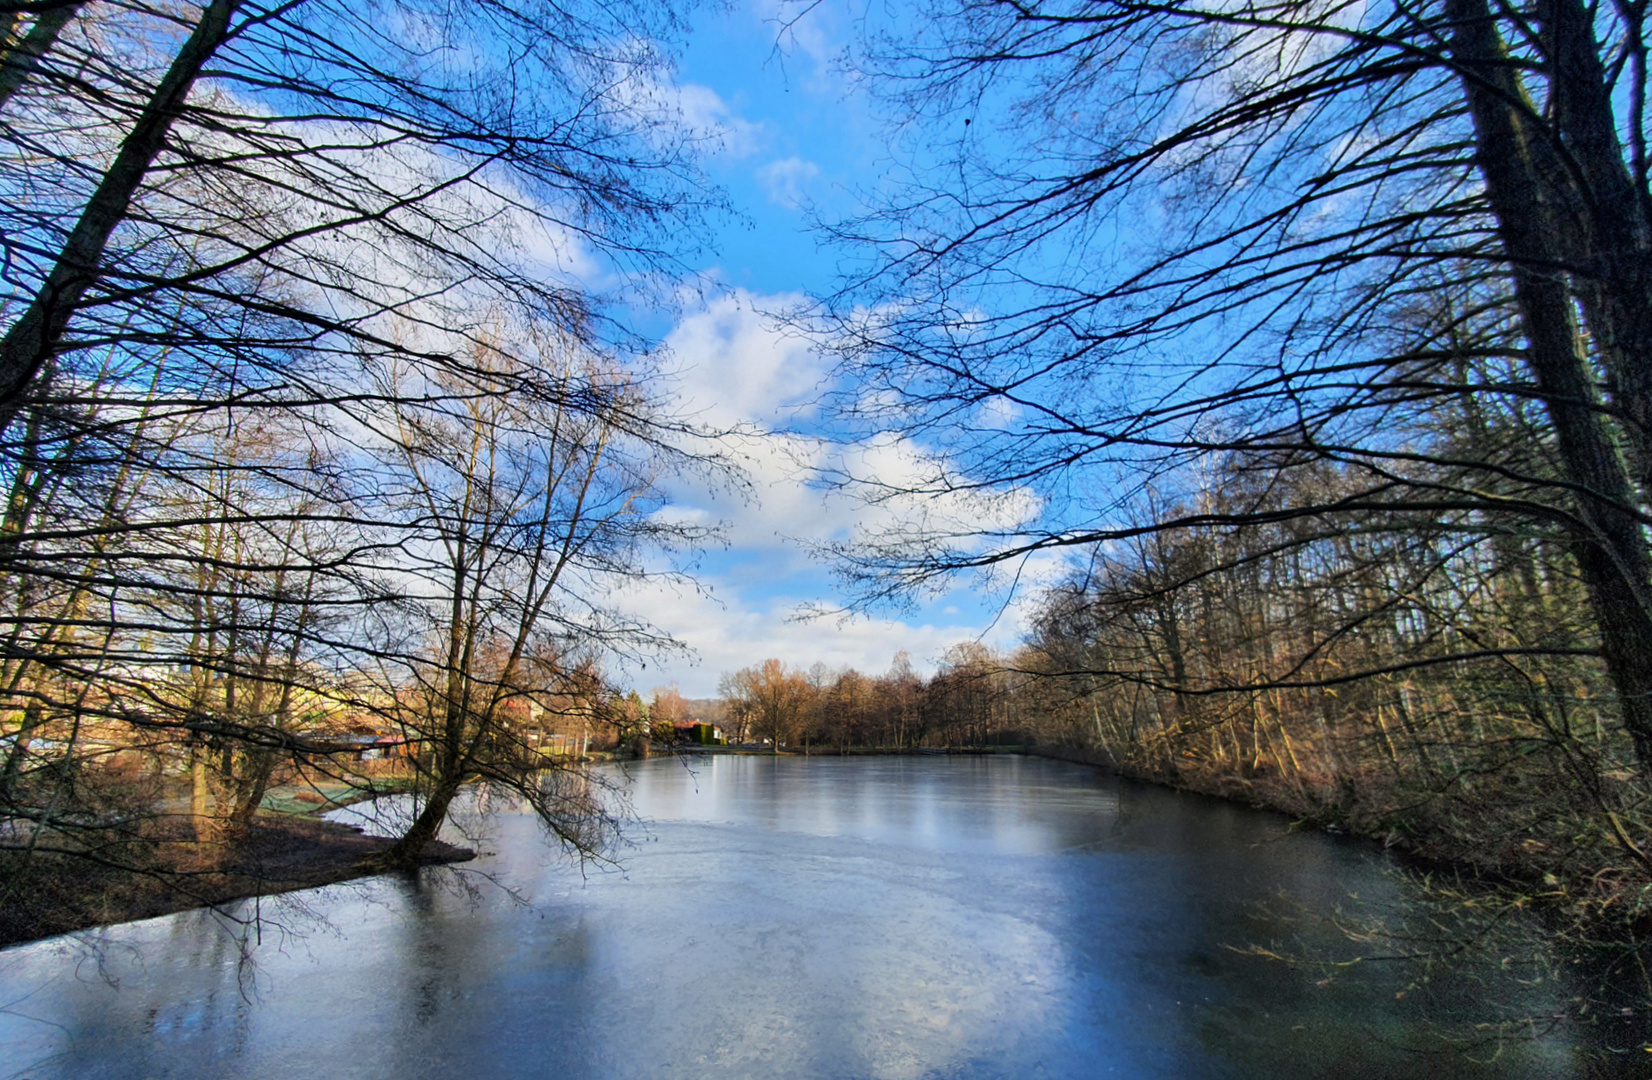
x: 701, y: 733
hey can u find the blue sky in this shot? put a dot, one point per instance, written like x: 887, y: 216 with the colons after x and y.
x: 789, y: 135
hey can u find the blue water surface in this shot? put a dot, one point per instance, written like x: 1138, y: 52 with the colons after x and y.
x: 893, y: 918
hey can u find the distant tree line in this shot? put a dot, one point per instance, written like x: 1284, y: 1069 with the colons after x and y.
x: 973, y: 700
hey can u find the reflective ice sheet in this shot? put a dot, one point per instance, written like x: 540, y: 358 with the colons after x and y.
x: 885, y: 918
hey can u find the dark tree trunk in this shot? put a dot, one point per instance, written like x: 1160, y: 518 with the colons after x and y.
x: 23, y: 59
x: 1613, y: 249
x: 1530, y: 191
x: 37, y: 334
x: 407, y: 850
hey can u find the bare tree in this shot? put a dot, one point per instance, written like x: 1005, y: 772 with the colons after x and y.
x: 518, y: 512
x: 769, y: 696
x: 1288, y: 229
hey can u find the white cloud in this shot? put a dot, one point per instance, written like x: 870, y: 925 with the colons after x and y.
x: 704, y: 112
x: 738, y: 370
x: 688, y: 110
x: 738, y: 366
x: 785, y: 181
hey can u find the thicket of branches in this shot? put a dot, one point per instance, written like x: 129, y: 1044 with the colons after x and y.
x: 314, y: 419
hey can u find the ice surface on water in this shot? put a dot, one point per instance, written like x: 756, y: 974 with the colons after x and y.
x: 887, y: 918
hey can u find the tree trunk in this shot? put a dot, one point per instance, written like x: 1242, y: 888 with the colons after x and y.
x: 37, y: 334
x: 198, y: 816
x: 406, y: 851
x: 1526, y: 187
x: 19, y: 752
x: 23, y: 59
x: 257, y: 766
x: 1614, y: 220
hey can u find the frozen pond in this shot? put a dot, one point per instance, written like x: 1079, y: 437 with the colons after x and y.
x: 827, y: 917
